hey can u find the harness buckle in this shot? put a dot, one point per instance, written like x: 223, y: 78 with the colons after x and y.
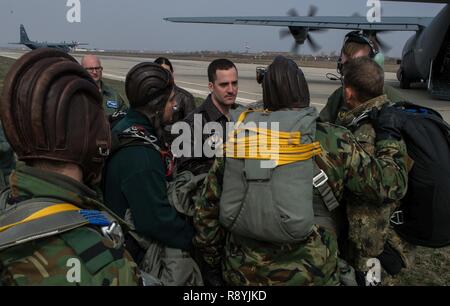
x: 114, y: 233
x: 138, y: 132
x: 320, y: 179
x: 397, y: 218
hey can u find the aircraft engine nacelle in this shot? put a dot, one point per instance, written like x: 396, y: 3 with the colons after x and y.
x: 408, y: 68
x: 299, y: 33
x: 423, y: 47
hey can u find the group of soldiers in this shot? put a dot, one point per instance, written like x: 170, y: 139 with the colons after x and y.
x: 107, y: 192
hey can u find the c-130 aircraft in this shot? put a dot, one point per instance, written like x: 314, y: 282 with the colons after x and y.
x: 64, y: 46
x: 425, y: 56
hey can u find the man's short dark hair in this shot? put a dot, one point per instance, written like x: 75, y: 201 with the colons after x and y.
x: 365, y: 76
x: 219, y: 64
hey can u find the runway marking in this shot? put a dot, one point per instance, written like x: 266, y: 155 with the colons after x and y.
x: 10, y: 56
x: 192, y: 90
x: 203, y: 85
x: 197, y: 91
x: 114, y: 77
x: 189, y: 83
x: 206, y: 93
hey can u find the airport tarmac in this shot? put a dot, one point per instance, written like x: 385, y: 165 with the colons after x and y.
x: 192, y: 76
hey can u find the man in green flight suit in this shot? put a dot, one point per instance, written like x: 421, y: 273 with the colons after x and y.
x: 314, y: 261
x: 112, y: 101
x: 356, y: 44
x: 53, y: 231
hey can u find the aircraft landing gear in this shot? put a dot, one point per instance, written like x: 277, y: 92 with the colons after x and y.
x: 404, y: 82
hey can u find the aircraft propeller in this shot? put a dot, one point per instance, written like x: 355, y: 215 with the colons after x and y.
x: 302, y: 32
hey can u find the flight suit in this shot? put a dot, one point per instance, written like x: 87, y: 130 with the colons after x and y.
x: 112, y: 101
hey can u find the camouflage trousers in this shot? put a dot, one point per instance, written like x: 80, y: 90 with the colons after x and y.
x: 312, y: 262
x: 369, y: 231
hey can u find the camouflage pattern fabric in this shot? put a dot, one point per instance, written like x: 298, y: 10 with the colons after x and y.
x: 314, y: 261
x: 46, y: 261
x: 369, y: 223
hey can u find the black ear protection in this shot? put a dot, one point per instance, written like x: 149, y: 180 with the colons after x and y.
x: 260, y: 73
x: 360, y: 38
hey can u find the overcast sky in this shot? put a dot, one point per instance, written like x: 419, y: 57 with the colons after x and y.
x: 139, y: 24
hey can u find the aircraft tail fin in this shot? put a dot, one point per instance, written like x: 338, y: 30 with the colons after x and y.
x: 23, y: 35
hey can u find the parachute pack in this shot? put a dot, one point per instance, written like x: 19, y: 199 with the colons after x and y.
x: 270, y: 203
x: 424, y: 214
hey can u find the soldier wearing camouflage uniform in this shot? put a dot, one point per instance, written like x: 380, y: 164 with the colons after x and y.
x: 381, y: 178
x: 355, y: 45
x: 50, y: 222
x: 370, y: 233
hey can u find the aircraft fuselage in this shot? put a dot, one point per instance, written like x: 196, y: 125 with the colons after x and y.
x: 426, y: 50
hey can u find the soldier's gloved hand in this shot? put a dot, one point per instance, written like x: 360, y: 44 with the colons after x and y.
x: 387, y: 122
x: 390, y: 260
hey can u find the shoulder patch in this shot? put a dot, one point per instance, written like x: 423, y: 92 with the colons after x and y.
x: 112, y: 104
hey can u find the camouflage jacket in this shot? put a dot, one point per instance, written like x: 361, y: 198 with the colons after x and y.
x: 369, y: 224
x: 81, y: 256
x: 336, y: 108
x: 379, y: 179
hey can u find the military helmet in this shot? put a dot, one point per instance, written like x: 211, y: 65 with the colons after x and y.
x: 51, y: 109
x: 148, y: 84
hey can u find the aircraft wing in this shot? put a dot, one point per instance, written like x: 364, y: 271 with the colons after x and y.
x: 423, y: 1
x: 317, y: 22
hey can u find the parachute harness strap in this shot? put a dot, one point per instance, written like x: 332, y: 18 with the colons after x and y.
x: 52, y: 210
